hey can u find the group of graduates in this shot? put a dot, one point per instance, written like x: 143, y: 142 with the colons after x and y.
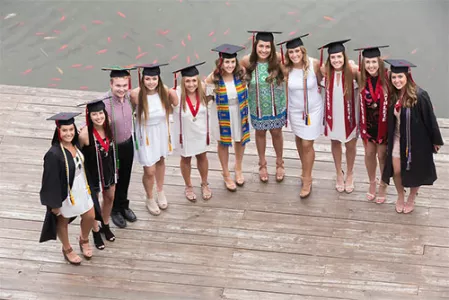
x: 87, y: 172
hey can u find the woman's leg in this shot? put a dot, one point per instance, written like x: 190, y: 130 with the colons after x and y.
x: 371, y: 166
x: 160, y: 177
x: 63, y: 235
x: 298, y: 142
x: 223, y: 156
x: 148, y: 184
x: 278, y: 145
x: 86, y: 224
x: 410, y: 205
x: 239, y: 151
x: 261, y: 145
x: 337, y: 153
x: 108, y: 201
x: 308, y: 159
x: 186, y: 170
x: 398, y: 184
x: 203, y: 168
x: 351, y: 151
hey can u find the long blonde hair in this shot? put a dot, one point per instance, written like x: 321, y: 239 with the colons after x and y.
x: 305, y: 61
x: 410, y: 96
x: 142, y: 106
x: 347, y: 72
x: 199, y: 90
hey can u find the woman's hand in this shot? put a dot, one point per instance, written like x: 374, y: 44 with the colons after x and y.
x: 436, y: 148
x: 56, y: 211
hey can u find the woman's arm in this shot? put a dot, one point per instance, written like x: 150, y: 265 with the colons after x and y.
x: 173, y: 97
x: 135, y: 97
x: 84, y: 137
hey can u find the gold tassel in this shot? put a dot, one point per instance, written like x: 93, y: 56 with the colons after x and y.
x: 170, y: 148
x: 72, y: 199
x: 147, y: 141
x: 88, y: 190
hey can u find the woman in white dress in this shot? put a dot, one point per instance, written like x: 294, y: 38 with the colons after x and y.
x: 152, y: 141
x: 191, y: 128
x: 341, y: 111
x: 305, y: 105
x: 229, y: 111
x: 65, y: 189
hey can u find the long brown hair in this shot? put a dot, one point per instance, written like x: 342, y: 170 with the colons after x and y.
x: 305, y: 61
x: 410, y: 96
x: 142, y: 106
x: 218, y: 72
x: 274, y: 67
x: 106, y: 127
x: 199, y: 90
x: 382, y: 75
x: 347, y: 72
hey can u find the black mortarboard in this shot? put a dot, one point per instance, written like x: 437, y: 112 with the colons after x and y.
x: 94, y: 105
x: 371, y: 52
x: 118, y: 71
x: 266, y: 36
x: 294, y: 42
x: 227, y: 50
x: 399, y: 65
x: 64, y: 118
x: 335, y: 47
x: 190, y: 70
x: 151, y: 69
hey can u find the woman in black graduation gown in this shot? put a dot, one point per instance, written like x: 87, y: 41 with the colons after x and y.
x: 97, y: 144
x: 65, y: 189
x: 413, y: 136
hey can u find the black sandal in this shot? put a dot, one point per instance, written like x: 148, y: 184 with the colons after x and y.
x: 98, y: 241
x: 107, y: 232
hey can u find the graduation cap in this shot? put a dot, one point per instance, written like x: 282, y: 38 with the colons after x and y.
x: 64, y: 118
x: 151, y: 69
x: 118, y: 71
x: 94, y: 106
x: 228, y: 50
x: 266, y: 36
x: 291, y: 44
x: 332, y: 48
x: 399, y: 65
x: 369, y: 52
x: 188, y: 71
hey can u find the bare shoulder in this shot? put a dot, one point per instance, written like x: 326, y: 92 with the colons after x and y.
x: 84, y: 137
x: 244, y: 62
x: 209, y: 78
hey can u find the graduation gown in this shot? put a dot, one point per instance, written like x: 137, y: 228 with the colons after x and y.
x: 425, y: 133
x: 54, y: 189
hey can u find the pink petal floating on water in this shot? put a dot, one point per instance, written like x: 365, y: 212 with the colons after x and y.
x: 52, y: 85
x: 83, y: 87
x: 83, y: 27
x: 183, y: 44
x: 39, y: 33
x: 159, y: 45
x: 197, y: 56
x: 292, y: 33
x: 26, y: 71
x: 62, y: 18
x: 121, y: 14
x: 189, y: 37
x: 162, y: 32
x: 174, y: 57
x: 298, y: 20
x: 414, y: 51
x: 88, y: 67
x: 155, y: 61
x: 76, y: 65
x: 227, y: 3
x: 211, y: 33
x: 139, y: 50
x: 329, y: 18
x: 102, y: 51
x: 141, y: 55
x: 98, y: 22
x: 63, y: 47
x: 188, y: 59
x: 292, y: 13
x: 109, y: 39
x: 55, y: 79
x: 226, y: 32
x: 125, y: 35
x: 56, y: 31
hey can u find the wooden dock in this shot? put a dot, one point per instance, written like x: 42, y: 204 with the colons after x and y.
x: 262, y: 242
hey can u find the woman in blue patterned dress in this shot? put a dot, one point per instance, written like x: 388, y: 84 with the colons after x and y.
x: 266, y: 99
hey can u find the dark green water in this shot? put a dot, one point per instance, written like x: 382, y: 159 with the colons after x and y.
x: 63, y: 44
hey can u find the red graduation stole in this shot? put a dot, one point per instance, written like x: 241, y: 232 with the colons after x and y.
x: 350, y: 123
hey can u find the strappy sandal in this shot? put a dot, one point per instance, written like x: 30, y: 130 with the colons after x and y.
x: 190, y: 195
x: 72, y: 262
x: 306, y: 188
x: 349, y: 188
x: 152, y: 206
x: 108, y: 234
x: 382, y: 199
x: 369, y: 195
x: 280, y: 171
x: 205, y: 191
x: 239, y: 179
x: 162, y: 200
x: 85, y: 248
x: 340, y: 187
x: 263, y: 172
x: 98, y: 240
x: 229, y: 183
x: 399, y: 207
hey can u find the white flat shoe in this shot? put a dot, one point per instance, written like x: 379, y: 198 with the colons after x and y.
x: 162, y: 200
x: 152, y: 207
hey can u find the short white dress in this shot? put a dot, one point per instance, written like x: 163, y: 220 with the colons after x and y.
x: 152, y: 137
x: 234, y: 112
x: 296, y: 104
x: 80, y: 192
x: 194, y: 129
